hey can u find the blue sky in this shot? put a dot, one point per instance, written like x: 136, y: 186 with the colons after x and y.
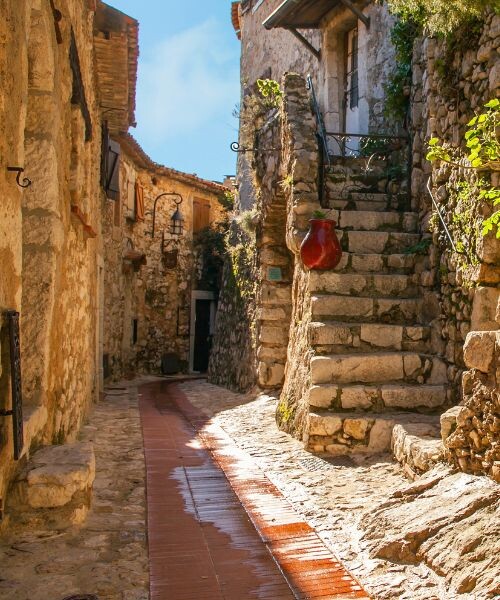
x: 188, y: 83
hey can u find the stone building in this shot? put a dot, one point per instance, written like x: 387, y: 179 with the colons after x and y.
x: 159, y: 311
x: 369, y: 356
x: 51, y: 126
x: 84, y: 292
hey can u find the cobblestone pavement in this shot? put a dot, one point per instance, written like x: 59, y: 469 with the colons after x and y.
x: 107, y: 556
x: 331, y: 494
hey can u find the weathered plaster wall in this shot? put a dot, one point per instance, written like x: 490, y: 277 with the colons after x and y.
x: 157, y: 296
x: 55, y: 286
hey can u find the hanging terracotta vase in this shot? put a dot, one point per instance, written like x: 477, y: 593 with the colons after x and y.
x: 321, y: 249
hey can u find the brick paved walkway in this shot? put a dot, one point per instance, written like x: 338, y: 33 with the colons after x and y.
x: 201, y: 491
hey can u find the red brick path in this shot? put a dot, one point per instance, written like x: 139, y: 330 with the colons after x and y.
x: 201, y: 489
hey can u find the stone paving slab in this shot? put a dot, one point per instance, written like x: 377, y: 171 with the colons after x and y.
x: 331, y: 494
x: 107, y: 556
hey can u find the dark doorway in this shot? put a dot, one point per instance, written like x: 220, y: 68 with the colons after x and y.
x: 202, y: 338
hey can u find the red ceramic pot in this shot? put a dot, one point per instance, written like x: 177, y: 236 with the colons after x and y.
x: 321, y: 249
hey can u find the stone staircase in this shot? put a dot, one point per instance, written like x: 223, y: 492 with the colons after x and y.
x: 374, y: 380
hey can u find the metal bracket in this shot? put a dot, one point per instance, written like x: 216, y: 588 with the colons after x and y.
x: 235, y: 147
x: 19, y: 170
x: 361, y: 16
x: 303, y: 40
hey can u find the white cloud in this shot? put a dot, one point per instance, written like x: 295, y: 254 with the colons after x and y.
x: 187, y: 81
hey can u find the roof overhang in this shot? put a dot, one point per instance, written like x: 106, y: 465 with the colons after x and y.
x: 116, y: 45
x: 308, y: 14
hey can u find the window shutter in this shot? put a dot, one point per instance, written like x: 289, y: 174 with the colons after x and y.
x: 201, y: 214
x: 113, y: 174
x: 139, y: 202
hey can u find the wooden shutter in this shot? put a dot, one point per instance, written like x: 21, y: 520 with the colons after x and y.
x: 110, y: 167
x: 201, y: 214
x: 139, y: 202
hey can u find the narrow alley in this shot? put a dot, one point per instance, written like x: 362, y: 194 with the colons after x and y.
x: 249, y: 300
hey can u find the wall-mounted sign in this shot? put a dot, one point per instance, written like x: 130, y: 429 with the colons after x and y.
x: 274, y: 274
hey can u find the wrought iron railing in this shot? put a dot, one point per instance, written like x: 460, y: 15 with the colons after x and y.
x: 383, y: 161
x: 16, y: 412
x: 380, y: 159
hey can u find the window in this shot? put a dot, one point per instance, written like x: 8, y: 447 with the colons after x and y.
x: 352, y: 90
x: 201, y: 214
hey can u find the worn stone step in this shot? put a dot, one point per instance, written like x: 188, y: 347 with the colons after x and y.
x: 370, y: 220
x: 364, y: 284
x: 417, y: 446
x: 349, y: 433
x: 330, y: 337
x: 336, y: 307
x: 369, y: 201
x: 380, y: 367
x: 381, y: 263
x: 378, y: 398
x: 377, y: 242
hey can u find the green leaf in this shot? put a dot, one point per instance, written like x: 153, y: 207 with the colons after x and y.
x: 434, y: 141
x: 473, y: 121
x: 494, y: 103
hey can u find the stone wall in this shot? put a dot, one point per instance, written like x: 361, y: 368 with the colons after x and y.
x: 51, y: 127
x: 471, y: 435
x: 150, y: 291
x: 300, y: 163
x: 448, y: 88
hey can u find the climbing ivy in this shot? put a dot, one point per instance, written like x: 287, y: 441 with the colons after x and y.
x: 468, y: 195
x: 397, y: 89
x: 270, y: 90
x: 440, y: 18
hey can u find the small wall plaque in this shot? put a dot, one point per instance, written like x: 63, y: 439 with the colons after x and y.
x: 274, y: 274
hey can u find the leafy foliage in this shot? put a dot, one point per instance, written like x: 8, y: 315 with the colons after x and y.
x: 403, y: 35
x: 439, y: 17
x: 480, y: 156
x: 270, y: 90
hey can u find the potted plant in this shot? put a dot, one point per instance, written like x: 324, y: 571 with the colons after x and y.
x: 321, y: 249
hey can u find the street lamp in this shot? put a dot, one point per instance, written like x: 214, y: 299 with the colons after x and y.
x: 176, y: 229
x: 176, y: 220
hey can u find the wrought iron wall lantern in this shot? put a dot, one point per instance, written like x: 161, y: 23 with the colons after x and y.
x: 19, y: 170
x: 176, y: 228
x: 176, y: 220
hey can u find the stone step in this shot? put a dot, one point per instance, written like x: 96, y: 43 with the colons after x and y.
x: 381, y: 263
x: 336, y: 307
x: 380, y: 367
x: 349, y: 433
x: 417, y: 446
x: 369, y: 202
x: 377, y: 242
x: 378, y: 398
x: 330, y: 337
x: 370, y: 220
x: 365, y: 284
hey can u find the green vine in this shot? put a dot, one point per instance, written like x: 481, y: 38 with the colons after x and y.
x: 440, y: 18
x: 472, y: 193
x: 270, y: 90
x: 397, y: 89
